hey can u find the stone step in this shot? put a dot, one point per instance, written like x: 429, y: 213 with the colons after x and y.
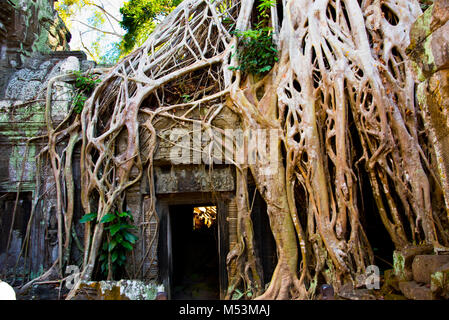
x: 424, y: 266
x: 403, y: 260
x: 440, y: 282
x: 415, y: 291
x: 118, y: 290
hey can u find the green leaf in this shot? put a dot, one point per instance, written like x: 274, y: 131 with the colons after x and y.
x: 266, y: 68
x: 118, y: 237
x: 128, y: 226
x: 127, y: 245
x: 112, y: 245
x: 88, y: 217
x: 108, y: 218
x: 124, y: 214
x: 114, y: 228
x: 103, y: 256
x: 114, y: 256
x: 130, y: 237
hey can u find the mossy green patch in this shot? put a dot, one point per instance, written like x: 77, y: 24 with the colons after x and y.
x: 399, y: 265
x: 420, y: 49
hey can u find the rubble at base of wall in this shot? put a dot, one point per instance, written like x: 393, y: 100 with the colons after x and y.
x: 118, y: 290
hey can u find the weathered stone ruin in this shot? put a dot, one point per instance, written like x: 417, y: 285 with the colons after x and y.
x: 170, y: 255
x: 33, y: 39
x: 27, y: 27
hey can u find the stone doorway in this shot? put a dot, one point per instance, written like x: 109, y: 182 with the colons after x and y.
x: 192, y: 262
x: 195, y: 253
x: 13, y: 232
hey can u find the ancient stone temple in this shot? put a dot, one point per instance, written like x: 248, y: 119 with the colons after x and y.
x: 183, y: 200
x: 34, y: 44
x: 189, y: 262
x: 28, y: 27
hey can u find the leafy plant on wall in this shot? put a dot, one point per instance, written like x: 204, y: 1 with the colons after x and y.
x: 256, y: 53
x: 84, y: 84
x: 119, y: 240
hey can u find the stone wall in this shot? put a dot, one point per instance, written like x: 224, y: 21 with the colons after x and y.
x: 422, y: 274
x: 22, y: 107
x: 429, y: 53
x: 27, y: 27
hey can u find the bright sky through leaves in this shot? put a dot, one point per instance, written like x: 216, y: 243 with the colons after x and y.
x: 86, y: 16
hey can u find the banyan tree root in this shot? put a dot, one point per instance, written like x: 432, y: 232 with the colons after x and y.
x: 244, y: 270
x: 342, y: 60
x: 342, y: 98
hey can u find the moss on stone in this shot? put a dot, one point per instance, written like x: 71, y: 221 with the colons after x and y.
x: 399, y: 265
x: 420, y: 49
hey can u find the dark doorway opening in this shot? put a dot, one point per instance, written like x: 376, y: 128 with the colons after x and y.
x: 13, y: 231
x: 194, y: 254
x: 263, y: 236
x: 376, y: 232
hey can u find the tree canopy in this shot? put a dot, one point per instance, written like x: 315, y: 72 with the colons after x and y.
x: 139, y: 17
x: 95, y: 27
x: 106, y: 34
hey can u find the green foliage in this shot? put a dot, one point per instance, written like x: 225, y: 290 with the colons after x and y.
x: 256, y: 53
x: 97, y: 26
x: 67, y: 8
x: 264, y: 8
x: 186, y: 98
x: 86, y: 81
x: 88, y: 217
x: 85, y: 84
x: 425, y: 4
x: 78, y: 102
x: 237, y: 295
x: 120, y: 239
x: 93, y: 18
x: 139, y: 17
